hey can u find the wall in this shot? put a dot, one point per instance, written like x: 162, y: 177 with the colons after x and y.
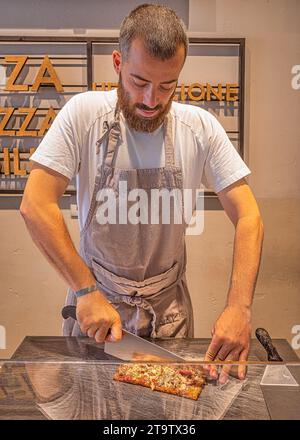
x: 32, y: 293
x: 272, y: 137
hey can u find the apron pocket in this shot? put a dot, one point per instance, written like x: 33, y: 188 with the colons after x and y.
x: 175, y: 326
x: 123, y: 286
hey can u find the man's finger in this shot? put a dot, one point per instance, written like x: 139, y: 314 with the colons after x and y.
x: 224, y: 352
x: 232, y: 356
x: 242, y: 369
x: 101, y: 333
x: 213, y: 349
x: 116, y: 332
x: 91, y: 331
x: 211, y: 354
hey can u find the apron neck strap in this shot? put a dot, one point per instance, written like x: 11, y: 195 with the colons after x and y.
x: 114, y: 133
x: 168, y: 141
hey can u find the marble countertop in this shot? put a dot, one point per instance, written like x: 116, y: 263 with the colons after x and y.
x: 71, y: 378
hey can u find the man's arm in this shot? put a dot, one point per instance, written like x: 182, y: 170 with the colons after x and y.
x: 46, y: 225
x: 240, y: 205
x: 48, y: 230
x: 232, y: 331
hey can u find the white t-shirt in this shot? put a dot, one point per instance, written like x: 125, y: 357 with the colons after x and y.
x: 202, y: 147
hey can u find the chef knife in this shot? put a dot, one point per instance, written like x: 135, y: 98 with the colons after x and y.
x: 132, y: 347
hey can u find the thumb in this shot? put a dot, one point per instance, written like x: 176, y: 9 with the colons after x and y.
x: 115, y: 332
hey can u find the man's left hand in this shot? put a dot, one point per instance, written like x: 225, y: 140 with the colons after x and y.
x: 230, y: 341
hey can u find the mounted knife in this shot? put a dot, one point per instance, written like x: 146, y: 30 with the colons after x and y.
x: 266, y: 341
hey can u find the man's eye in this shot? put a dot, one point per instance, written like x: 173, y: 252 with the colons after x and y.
x: 139, y: 84
x: 163, y: 88
x: 166, y: 89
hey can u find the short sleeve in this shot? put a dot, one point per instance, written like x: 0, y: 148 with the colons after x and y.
x: 223, y: 165
x: 60, y: 147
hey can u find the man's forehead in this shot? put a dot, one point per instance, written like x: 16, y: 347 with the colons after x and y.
x: 143, y: 66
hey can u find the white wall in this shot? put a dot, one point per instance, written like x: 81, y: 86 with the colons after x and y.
x: 272, y: 137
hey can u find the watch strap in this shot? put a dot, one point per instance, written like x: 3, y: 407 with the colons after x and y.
x: 86, y: 290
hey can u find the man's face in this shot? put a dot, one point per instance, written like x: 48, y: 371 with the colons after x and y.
x: 146, y: 86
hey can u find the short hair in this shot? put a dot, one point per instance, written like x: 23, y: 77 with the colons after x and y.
x: 161, y: 30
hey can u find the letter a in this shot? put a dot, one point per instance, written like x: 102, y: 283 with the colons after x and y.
x: 51, y: 79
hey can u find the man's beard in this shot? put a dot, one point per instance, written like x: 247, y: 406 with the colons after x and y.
x: 134, y: 121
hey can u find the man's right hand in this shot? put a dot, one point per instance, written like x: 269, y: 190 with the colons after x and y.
x: 98, y: 319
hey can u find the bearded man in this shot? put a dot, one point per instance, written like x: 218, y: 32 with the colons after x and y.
x: 132, y: 274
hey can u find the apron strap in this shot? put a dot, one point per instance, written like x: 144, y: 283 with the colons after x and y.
x: 114, y: 134
x: 103, y: 137
x: 168, y: 140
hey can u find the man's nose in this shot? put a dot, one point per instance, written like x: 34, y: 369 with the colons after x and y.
x: 150, y: 98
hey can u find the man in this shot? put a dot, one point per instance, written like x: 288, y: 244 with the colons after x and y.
x: 133, y: 275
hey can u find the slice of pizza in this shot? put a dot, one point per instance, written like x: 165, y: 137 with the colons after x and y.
x: 186, y: 381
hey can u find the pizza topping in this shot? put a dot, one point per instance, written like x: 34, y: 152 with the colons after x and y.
x: 186, y: 372
x: 185, y: 382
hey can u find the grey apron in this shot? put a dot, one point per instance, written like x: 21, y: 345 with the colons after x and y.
x: 139, y: 267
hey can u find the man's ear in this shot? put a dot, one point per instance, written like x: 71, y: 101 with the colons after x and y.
x: 117, y: 61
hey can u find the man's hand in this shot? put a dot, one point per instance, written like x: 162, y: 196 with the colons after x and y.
x: 98, y: 319
x: 230, y: 341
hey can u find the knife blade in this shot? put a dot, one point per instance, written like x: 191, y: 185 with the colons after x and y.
x: 132, y: 347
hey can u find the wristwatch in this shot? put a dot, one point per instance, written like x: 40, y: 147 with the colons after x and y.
x: 86, y: 290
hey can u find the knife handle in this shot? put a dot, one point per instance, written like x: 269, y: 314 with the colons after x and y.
x: 69, y: 312
x: 266, y: 341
